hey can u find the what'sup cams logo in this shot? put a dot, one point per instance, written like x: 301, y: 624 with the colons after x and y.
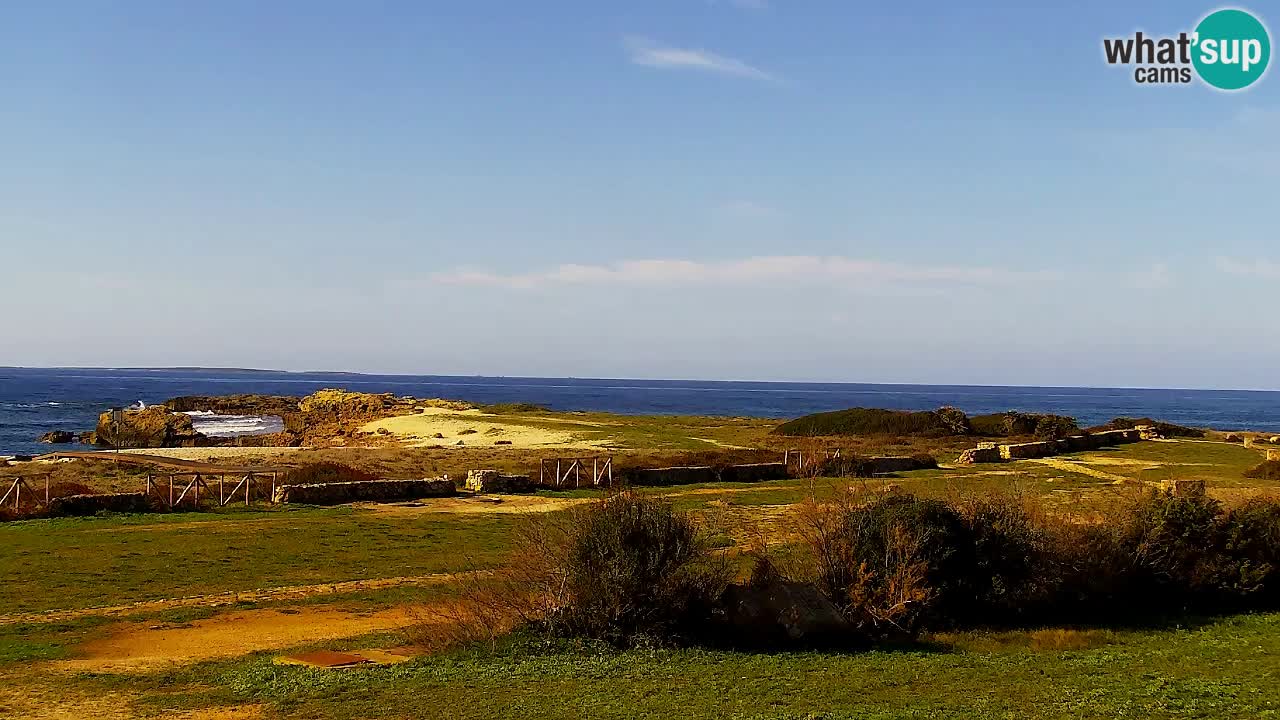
x: 1229, y: 50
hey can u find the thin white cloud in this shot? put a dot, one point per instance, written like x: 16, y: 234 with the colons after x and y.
x: 1250, y: 268
x: 1156, y: 277
x: 775, y: 268
x: 647, y: 53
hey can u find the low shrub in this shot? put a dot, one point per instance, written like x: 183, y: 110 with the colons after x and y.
x: 633, y: 571
x: 325, y: 472
x: 895, y: 565
x: 1008, y: 424
x: 1164, y: 428
x: 1173, y: 542
x: 870, y: 421
x: 1250, y: 537
x: 1266, y: 470
x: 1009, y: 550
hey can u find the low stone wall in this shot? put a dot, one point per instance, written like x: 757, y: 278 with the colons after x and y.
x: 990, y: 452
x: 492, y: 481
x: 686, y: 475
x: 94, y: 504
x: 339, y: 493
x: 755, y: 472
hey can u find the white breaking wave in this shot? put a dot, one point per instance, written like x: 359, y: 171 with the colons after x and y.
x: 215, y: 425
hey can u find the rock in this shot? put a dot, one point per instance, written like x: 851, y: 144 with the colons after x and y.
x: 58, y: 437
x: 980, y: 455
x: 1273, y: 455
x: 88, y: 437
x: 777, y: 613
x: 501, y: 442
x: 1275, y: 440
x: 1233, y: 438
x: 154, y: 427
x: 460, y: 443
x: 438, y: 436
x: 492, y: 481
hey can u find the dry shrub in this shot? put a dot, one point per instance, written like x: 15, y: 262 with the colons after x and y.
x: 1266, y: 470
x: 325, y: 472
x: 627, y: 570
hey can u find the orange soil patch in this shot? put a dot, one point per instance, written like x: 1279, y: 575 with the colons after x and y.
x: 291, y: 592
x: 487, y: 504
x: 137, y: 647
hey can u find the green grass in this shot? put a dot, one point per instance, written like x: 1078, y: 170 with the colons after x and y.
x: 1229, y: 667
x: 84, y: 562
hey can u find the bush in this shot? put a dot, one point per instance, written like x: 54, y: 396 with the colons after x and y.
x: 1009, y: 550
x: 870, y: 421
x: 1042, y: 426
x: 1267, y: 470
x: 636, y: 571
x: 1250, y: 537
x: 1164, y: 428
x: 325, y: 472
x: 895, y: 565
x: 1173, y: 542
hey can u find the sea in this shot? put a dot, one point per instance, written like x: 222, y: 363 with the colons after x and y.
x: 36, y: 400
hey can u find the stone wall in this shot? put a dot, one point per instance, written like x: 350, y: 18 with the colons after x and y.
x: 686, y: 475
x: 369, y: 491
x: 755, y: 472
x: 990, y: 452
x: 492, y: 481
x: 94, y: 504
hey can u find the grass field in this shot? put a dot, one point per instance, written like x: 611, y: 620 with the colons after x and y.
x: 226, y: 592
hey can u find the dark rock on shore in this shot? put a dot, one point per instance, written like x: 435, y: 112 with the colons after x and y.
x: 245, y: 404
x: 58, y: 437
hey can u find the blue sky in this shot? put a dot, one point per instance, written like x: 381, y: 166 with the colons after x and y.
x: 754, y: 189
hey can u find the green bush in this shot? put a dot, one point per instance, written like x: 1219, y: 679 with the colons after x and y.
x: 1164, y: 428
x: 1007, y: 424
x: 636, y: 571
x: 1173, y: 542
x: 1250, y: 538
x: 1266, y: 470
x: 1009, y: 555
x: 870, y: 421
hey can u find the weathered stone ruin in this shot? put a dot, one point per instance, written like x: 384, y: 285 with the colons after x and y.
x: 339, y: 493
x: 492, y: 481
x: 1273, y: 455
x: 990, y: 452
x: 94, y: 504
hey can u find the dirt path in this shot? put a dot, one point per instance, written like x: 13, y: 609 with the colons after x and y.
x: 140, y: 647
x: 1071, y: 467
x: 292, y: 592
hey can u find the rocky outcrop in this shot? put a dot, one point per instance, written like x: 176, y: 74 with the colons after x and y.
x: 58, y: 437
x: 154, y: 427
x: 94, y: 504
x: 340, y: 493
x: 1273, y: 455
x: 492, y: 481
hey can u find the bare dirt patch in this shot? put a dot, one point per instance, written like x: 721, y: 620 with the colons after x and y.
x: 485, y: 504
x: 137, y: 647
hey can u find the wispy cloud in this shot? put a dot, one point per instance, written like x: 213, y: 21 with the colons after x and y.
x: 1156, y: 277
x: 775, y: 268
x: 643, y: 51
x: 1250, y: 268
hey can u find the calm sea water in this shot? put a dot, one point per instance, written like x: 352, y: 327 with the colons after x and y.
x: 35, y: 400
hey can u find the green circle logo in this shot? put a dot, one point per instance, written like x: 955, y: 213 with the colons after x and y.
x: 1232, y: 49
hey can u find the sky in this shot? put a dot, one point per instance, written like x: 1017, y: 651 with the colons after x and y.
x: 920, y: 192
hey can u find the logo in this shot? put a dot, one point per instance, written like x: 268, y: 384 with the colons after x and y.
x: 1228, y: 50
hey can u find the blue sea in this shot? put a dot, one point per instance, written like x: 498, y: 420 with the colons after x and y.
x: 36, y: 400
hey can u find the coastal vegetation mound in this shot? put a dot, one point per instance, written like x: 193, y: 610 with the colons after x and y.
x: 945, y: 421
x: 1164, y: 429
